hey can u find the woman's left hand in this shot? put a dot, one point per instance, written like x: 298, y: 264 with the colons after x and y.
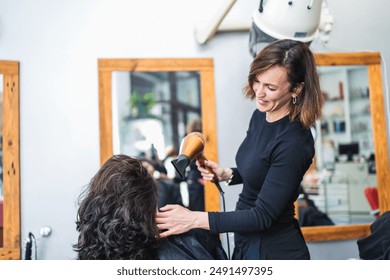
x: 175, y: 219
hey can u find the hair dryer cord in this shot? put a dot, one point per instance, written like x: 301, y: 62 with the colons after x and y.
x: 224, y: 210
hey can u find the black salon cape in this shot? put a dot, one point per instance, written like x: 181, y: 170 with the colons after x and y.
x: 377, y: 245
x: 197, y: 244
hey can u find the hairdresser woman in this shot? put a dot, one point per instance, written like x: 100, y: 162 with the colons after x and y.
x: 271, y: 161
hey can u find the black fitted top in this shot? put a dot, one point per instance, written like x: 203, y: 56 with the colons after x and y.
x: 271, y: 162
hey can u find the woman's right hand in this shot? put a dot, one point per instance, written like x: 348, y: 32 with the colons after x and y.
x: 206, y: 166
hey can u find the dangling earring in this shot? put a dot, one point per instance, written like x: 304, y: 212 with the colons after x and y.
x: 294, y: 99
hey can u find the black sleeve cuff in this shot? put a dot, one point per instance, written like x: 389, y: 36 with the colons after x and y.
x: 213, y: 216
x: 237, y: 179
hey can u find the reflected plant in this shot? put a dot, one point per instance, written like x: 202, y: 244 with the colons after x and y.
x: 141, y: 104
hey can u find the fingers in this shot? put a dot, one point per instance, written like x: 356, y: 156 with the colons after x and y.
x: 208, y: 163
x: 172, y: 219
x: 165, y: 234
x: 167, y: 207
x: 164, y: 228
x: 172, y: 209
x: 163, y: 223
x: 206, y: 174
x: 164, y: 217
x: 211, y: 164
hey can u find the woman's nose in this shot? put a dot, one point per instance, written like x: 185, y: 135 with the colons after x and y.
x: 258, y: 90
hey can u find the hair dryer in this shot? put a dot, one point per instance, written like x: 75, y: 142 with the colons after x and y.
x: 191, y: 148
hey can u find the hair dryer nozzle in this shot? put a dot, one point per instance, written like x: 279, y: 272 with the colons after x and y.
x: 180, y: 164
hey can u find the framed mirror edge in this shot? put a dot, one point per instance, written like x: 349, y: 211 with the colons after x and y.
x: 11, y: 160
x: 205, y: 66
x: 377, y: 105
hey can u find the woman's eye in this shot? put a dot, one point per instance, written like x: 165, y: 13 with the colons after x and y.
x: 271, y: 88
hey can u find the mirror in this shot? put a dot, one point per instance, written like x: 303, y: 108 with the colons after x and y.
x: 10, y: 190
x: 351, y: 144
x: 345, y: 159
x: 146, y: 104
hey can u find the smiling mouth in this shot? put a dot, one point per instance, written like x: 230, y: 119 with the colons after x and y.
x: 262, y: 102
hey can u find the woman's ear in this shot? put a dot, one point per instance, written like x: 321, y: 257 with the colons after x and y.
x: 298, y: 89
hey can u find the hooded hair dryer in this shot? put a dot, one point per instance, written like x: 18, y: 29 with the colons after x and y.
x: 191, y: 148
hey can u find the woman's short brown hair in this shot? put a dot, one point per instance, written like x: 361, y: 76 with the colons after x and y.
x: 298, y: 60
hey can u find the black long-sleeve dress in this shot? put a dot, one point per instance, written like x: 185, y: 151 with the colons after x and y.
x: 271, y: 162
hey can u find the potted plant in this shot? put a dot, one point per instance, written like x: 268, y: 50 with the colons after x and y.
x: 141, y: 104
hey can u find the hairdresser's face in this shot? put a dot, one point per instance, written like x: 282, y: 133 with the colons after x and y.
x: 273, y: 93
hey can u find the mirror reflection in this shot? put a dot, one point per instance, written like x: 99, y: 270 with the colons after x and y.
x: 343, y: 184
x: 151, y: 113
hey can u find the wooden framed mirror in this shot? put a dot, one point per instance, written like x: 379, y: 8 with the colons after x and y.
x: 370, y: 62
x: 157, y: 73
x: 10, y: 175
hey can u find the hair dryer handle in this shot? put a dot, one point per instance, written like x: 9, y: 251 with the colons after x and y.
x: 201, y: 159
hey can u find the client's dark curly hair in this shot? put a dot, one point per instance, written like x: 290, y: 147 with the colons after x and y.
x: 116, y: 215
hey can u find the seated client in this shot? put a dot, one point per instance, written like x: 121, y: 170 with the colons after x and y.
x: 116, y: 219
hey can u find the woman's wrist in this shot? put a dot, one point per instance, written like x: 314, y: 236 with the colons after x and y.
x: 201, y: 220
x: 227, y: 175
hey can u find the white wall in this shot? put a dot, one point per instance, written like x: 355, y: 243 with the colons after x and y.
x: 58, y: 44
